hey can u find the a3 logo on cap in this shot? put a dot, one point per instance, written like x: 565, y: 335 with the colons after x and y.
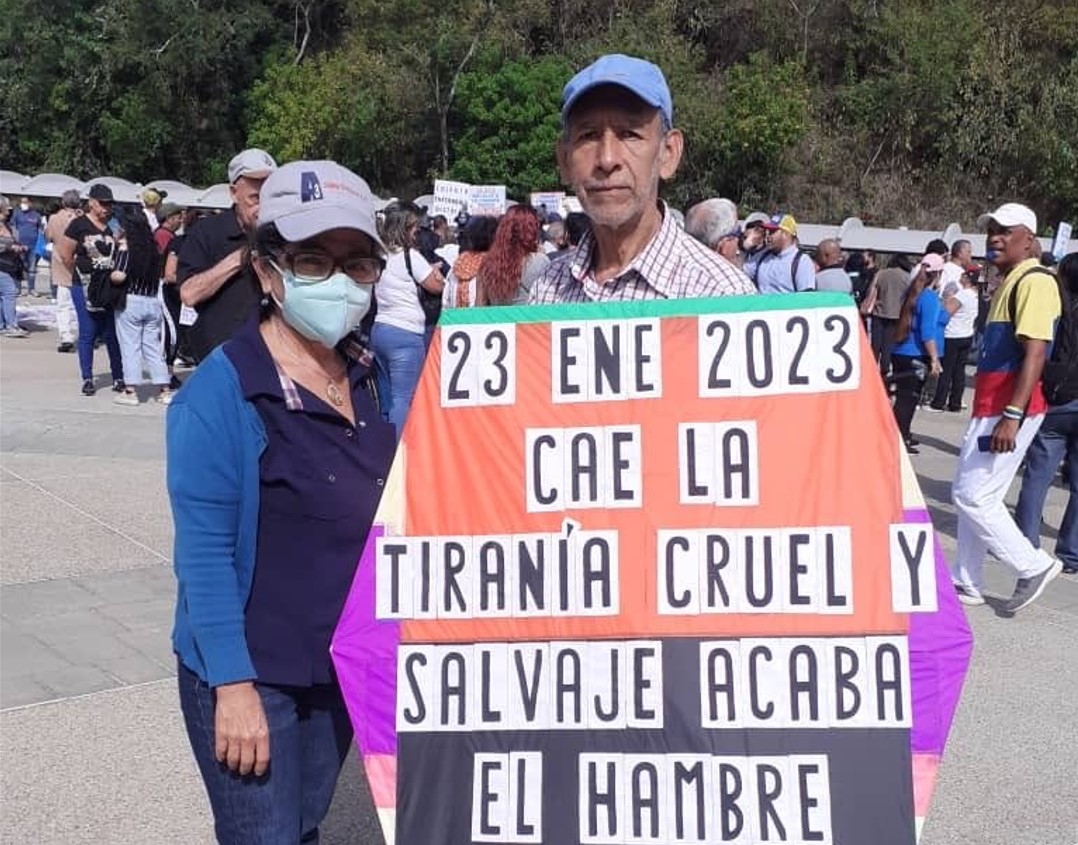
x: 310, y: 187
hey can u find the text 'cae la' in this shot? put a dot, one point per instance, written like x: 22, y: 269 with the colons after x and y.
x: 575, y: 572
x: 578, y: 468
x: 719, y: 463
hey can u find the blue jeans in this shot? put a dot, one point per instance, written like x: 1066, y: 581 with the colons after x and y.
x: 138, y: 327
x: 400, y: 355
x: 29, y: 262
x: 309, y: 738
x: 9, y: 289
x: 94, y: 325
x: 1058, y: 436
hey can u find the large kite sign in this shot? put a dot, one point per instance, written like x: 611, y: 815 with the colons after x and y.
x: 652, y: 572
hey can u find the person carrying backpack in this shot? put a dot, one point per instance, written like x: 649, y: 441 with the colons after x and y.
x: 1008, y: 409
x: 1058, y: 436
x: 781, y: 268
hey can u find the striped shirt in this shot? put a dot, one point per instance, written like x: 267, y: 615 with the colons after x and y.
x: 672, y: 266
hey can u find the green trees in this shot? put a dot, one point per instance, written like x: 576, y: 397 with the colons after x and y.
x: 909, y: 111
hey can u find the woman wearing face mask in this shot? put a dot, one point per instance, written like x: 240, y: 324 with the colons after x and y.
x: 276, y: 463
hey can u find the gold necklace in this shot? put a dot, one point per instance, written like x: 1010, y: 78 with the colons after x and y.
x: 333, y: 393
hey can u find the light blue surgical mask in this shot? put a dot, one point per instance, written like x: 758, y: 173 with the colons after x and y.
x: 326, y: 311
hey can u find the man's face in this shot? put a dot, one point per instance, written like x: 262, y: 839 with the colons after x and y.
x: 779, y: 239
x: 829, y: 255
x: 245, y: 196
x: 727, y: 247
x: 1012, y: 244
x: 100, y: 210
x: 613, y: 153
x: 754, y: 236
x: 173, y: 221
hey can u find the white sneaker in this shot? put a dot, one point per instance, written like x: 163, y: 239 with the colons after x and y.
x: 126, y: 398
x: 968, y: 595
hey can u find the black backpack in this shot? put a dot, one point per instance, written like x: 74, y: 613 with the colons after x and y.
x: 1060, y: 377
x: 431, y: 303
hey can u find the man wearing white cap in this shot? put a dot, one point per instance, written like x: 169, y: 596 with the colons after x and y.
x: 1008, y: 408
x: 214, y: 270
x: 617, y: 144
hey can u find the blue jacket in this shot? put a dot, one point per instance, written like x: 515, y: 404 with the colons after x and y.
x: 214, y: 440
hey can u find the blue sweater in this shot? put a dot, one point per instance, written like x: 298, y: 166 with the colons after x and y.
x: 929, y: 319
x: 214, y: 439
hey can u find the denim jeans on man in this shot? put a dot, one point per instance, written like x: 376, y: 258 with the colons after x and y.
x: 94, y: 325
x: 400, y: 355
x: 9, y: 290
x: 309, y: 735
x: 1058, y: 437
x: 138, y: 327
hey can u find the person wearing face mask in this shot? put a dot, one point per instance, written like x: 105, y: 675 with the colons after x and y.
x: 277, y: 457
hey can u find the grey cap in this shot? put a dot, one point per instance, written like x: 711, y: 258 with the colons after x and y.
x: 756, y: 217
x: 306, y: 198
x: 253, y: 163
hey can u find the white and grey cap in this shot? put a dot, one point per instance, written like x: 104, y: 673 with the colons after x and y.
x: 306, y: 198
x: 253, y: 163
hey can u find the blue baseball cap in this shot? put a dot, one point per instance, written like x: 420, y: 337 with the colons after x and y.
x: 637, y: 76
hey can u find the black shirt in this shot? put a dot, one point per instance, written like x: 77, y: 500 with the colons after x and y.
x: 222, y: 315
x: 94, y: 246
x: 321, y: 480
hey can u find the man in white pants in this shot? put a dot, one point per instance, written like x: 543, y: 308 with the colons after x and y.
x: 1008, y: 408
x: 66, y: 324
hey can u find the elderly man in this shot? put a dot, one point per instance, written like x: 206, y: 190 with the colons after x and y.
x: 781, y: 268
x: 1008, y: 409
x: 214, y: 269
x: 617, y: 144
x: 714, y: 223
x: 831, y: 274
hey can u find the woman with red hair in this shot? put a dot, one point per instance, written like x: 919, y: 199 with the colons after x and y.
x: 514, y: 262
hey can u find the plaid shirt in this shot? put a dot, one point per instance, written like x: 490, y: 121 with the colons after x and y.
x: 672, y: 266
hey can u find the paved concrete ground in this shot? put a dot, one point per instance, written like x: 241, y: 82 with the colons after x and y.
x: 92, y: 745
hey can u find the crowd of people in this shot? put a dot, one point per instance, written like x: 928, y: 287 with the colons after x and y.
x: 308, y: 311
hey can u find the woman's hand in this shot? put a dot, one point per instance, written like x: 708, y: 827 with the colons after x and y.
x: 240, y: 729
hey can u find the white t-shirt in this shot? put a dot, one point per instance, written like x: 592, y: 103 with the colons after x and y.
x: 949, y: 275
x: 963, y: 320
x: 398, y: 299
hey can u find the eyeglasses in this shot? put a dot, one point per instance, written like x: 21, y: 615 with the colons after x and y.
x: 312, y: 267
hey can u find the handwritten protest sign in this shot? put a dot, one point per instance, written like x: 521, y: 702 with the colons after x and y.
x: 652, y: 572
x: 449, y: 198
x: 486, y: 199
x: 552, y: 200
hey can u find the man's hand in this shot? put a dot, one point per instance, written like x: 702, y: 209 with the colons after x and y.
x: 1004, y: 435
x: 240, y: 729
x: 934, y: 367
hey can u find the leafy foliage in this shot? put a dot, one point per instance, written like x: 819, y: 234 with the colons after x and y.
x: 508, y: 119
x: 905, y: 111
